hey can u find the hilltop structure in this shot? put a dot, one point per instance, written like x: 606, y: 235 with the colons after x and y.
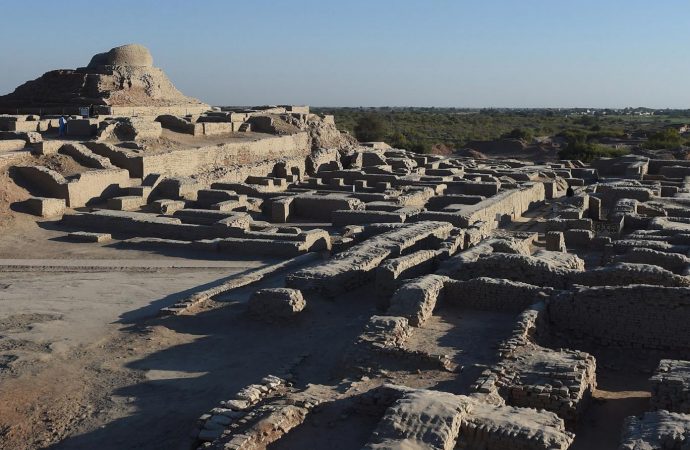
x: 122, y: 80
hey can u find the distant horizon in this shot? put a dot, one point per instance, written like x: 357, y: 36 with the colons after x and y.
x: 459, y: 107
x: 539, y: 55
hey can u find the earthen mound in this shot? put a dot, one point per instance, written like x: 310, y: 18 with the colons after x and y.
x: 125, y: 55
x: 123, y: 76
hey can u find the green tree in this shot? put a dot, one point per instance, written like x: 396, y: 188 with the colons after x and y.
x: 667, y: 138
x: 398, y: 140
x: 518, y: 133
x: 370, y: 127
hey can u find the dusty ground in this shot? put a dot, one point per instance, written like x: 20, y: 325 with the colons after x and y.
x: 10, y: 193
x: 142, y: 386
x: 73, y: 327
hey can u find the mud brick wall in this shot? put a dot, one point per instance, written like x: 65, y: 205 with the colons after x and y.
x: 187, y: 162
x: 674, y: 262
x: 120, y: 157
x: 656, y: 429
x: 655, y: 165
x: 529, y: 269
x: 391, y: 273
x: 342, y: 218
x: 356, y: 266
x: 143, y: 225
x: 238, y: 173
x: 675, y: 171
x: 321, y: 207
x: 610, y: 194
x: 416, y: 299
x: 492, y: 294
x: 496, y: 427
x: 671, y: 386
x: 638, y: 316
x: 94, y: 184
x: 622, y: 274
x: 532, y: 376
x: 513, y: 202
x: 84, y: 156
x: 568, y: 224
x: 46, y: 180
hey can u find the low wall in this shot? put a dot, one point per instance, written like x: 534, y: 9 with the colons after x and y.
x: 638, y: 316
x: 187, y: 162
x: 623, y: 274
x: 95, y: 184
x: 46, y: 180
x: 513, y: 202
x: 119, y: 157
x: 84, y: 156
x: 81, y: 189
x: 655, y: 165
x: 610, y: 194
x: 491, y: 294
x: 156, y: 110
x: 552, y: 269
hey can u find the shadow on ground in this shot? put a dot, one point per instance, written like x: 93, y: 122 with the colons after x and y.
x: 228, y: 351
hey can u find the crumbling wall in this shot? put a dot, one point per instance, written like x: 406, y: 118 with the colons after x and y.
x: 513, y: 202
x: 46, y: 180
x: 416, y: 299
x: 671, y: 386
x: 187, y: 162
x: 355, y: 266
x: 639, y: 316
x: 623, y: 274
x: 491, y: 294
x: 656, y: 430
x: 546, y: 269
x: 79, y: 189
x: 119, y: 157
x: 427, y: 419
x: 391, y: 273
x: 533, y: 376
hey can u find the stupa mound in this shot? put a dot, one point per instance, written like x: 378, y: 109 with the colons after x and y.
x: 125, y: 55
x: 123, y: 77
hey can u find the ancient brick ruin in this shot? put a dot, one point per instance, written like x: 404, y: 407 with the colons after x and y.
x: 435, y: 245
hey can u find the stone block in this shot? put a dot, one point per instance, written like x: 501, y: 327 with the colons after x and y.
x: 276, y: 303
x: 46, y: 147
x: 85, y: 236
x: 46, y: 207
x: 126, y: 203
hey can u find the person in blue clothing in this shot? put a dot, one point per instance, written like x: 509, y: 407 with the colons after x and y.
x: 62, y: 126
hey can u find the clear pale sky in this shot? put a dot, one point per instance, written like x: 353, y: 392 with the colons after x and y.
x: 479, y: 53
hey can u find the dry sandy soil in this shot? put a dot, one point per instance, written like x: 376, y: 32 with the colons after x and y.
x: 73, y: 326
